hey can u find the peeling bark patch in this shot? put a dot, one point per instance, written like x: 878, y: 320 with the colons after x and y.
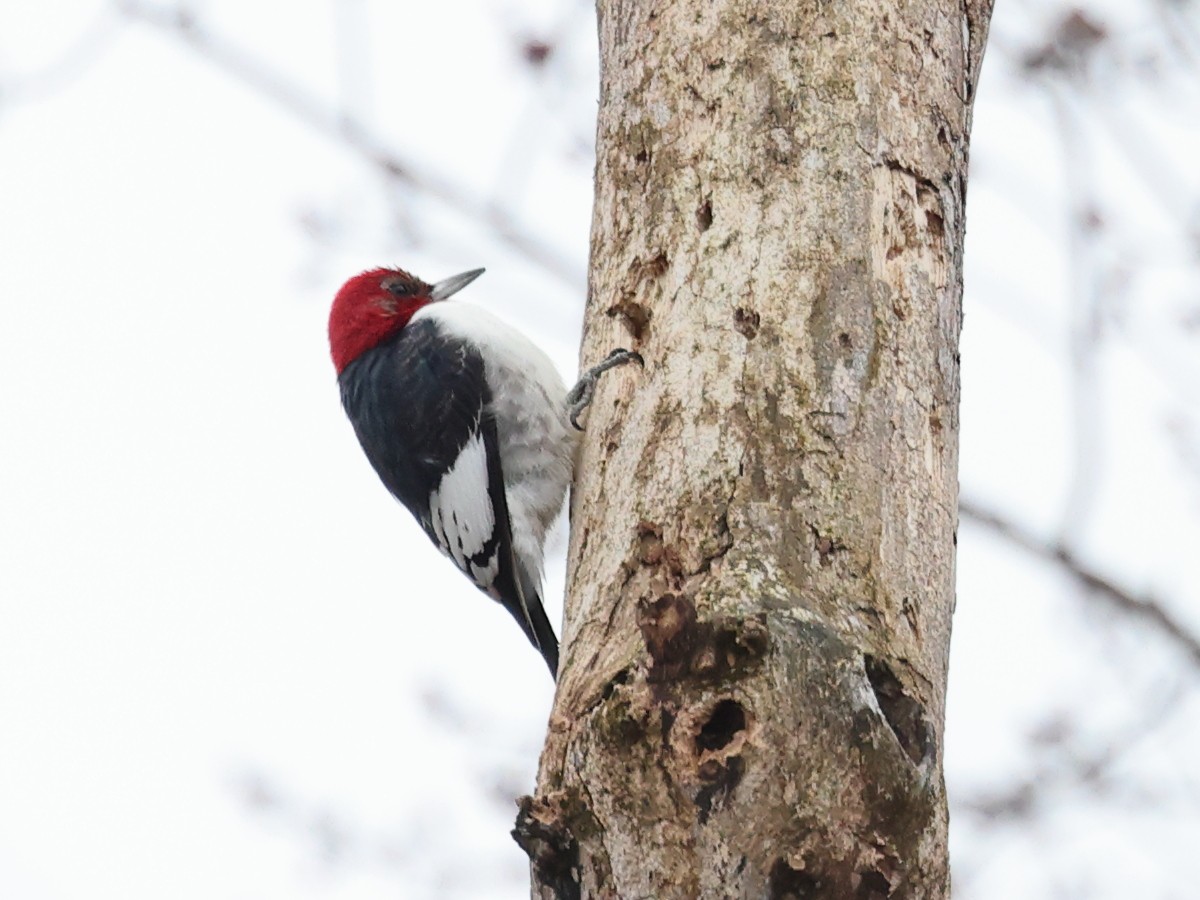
x: 911, y: 222
x: 826, y: 548
x: 787, y: 883
x: 720, y: 780
x: 619, y: 718
x: 739, y: 643
x: 634, y: 313
x: 842, y: 328
x: 746, y: 321
x: 680, y: 645
x: 935, y: 224
x: 650, y: 543
x: 635, y: 316
x: 550, y: 846
x: 655, y: 267
x: 904, y: 715
x: 668, y: 627
x: 726, y: 722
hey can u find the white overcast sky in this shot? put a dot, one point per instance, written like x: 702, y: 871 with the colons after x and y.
x: 232, y: 667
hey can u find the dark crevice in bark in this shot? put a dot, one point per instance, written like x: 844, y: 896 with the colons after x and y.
x: 787, y: 883
x: 616, y: 681
x: 922, y: 181
x: 905, y: 715
x: 873, y: 886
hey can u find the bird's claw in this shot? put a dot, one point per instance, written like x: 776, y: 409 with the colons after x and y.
x: 619, y: 357
x: 578, y: 407
x: 580, y: 396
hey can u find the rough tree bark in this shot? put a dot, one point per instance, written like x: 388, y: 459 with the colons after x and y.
x: 762, y: 548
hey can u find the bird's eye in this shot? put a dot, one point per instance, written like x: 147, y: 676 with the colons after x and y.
x: 398, y: 288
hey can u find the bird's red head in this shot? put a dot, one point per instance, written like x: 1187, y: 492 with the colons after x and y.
x: 375, y: 306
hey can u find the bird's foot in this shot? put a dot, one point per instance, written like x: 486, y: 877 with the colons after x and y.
x: 580, y: 396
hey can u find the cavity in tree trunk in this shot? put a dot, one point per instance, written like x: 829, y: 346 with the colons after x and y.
x: 762, y: 548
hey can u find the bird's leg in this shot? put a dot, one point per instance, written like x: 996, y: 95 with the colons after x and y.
x: 580, y: 396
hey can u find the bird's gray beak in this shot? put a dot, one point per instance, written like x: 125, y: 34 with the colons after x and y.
x: 453, y: 284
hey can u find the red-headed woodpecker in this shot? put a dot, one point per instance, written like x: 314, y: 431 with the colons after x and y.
x: 467, y: 423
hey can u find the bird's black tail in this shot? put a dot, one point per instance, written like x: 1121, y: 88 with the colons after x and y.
x: 517, y: 590
x: 532, y: 618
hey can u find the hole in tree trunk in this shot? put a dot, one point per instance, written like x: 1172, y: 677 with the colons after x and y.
x: 727, y: 719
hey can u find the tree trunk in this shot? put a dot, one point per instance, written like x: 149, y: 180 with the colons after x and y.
x: 762, y: 550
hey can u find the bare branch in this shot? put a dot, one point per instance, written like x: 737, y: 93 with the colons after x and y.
x: 1086, y: 333
x: 92, y: 43
x: 1149, y: 610
x: 1071, y: 765
x: 353, y: 133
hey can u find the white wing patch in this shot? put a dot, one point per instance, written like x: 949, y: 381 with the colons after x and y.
x: 461, y: 514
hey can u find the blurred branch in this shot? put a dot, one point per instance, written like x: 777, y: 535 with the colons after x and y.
x: 545, y: 61
x: 347, y: 129
x: 93, y: 42
x: 1149, y: 611
x: 1071, y: 46
x: 1179, y: 30
x: 327, y: 836
x: 1074, y: 766
x: 1087, y: 405
x: 421, y: 849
